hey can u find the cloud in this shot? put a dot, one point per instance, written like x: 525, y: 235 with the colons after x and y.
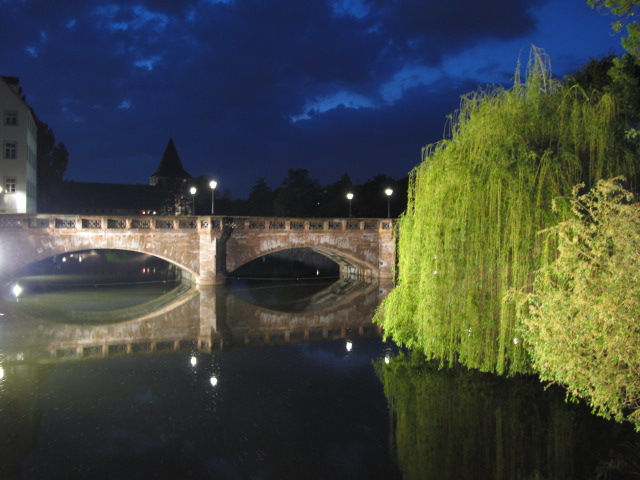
x: 341, y: 98
x: 148, y: 63
x: 410, y: 76
x: 355, y: 8
x: 124, y: 17
x: 250, y: 88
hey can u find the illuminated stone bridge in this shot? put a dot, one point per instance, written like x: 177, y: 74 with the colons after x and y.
x: 205, y: 248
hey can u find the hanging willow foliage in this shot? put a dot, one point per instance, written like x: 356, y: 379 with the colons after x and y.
x: 476, y: 201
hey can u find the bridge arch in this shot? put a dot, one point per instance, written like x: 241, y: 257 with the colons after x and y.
x: 88, y: 254
x: 18, y: 250
x: 348, y: 263
x: 360, y: 247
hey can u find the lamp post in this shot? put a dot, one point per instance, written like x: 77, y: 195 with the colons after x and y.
x: 213, y: 184
x: 388, y: 191
x: 193, y: 191
x: 349, y: 197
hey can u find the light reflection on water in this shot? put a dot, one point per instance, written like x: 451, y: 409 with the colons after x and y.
x: 264, y: 381
x: 99, y: 299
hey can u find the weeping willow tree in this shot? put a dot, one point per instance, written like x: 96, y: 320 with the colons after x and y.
x: 468, y: 236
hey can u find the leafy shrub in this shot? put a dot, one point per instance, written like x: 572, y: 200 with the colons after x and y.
x: 584, y: 315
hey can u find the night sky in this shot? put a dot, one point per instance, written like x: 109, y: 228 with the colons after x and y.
x: 252, y: 88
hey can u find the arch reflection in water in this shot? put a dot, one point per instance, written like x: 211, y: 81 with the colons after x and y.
x: 205, y: 320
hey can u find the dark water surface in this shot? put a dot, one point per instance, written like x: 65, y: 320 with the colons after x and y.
x: 266, y: 381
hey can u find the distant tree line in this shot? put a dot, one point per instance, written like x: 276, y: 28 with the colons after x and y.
x: 300, y: 195
x: 53, y: 159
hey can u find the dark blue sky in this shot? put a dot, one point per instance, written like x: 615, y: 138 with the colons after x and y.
x: 251, y: 88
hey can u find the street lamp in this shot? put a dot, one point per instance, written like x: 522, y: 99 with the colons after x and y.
x: 388, y: 191
x: 193, y: 191
x: 213, y: 184
x: 349, y: 197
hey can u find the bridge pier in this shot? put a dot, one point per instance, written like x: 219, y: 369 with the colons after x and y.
x: 208, y: 274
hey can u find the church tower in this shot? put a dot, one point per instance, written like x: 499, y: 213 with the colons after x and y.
x: 171, y: 179
x: 170, y: 170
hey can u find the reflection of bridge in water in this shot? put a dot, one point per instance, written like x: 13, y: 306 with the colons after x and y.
x: 207, y: 320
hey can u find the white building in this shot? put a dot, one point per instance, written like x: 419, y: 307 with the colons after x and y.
x: 18, y: 158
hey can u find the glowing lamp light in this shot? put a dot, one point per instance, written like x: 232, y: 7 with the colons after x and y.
x: 213, y: 381
x: 388, y: 192
x: 349, y: 346
x: 193, y: 191
x: 17, y: 290
x: 386, y: 359
x: 193, y: 361
x: 349, y: 197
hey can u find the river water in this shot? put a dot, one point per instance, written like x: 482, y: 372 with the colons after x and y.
x: 265, y: 380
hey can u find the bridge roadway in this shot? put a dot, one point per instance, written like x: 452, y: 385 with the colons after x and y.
x: 205, y: 248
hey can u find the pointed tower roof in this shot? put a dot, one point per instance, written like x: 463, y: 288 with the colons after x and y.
x: 170, y: 166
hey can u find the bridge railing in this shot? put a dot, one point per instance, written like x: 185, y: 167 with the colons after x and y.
x: 42, y: 222
x: 308, y: 224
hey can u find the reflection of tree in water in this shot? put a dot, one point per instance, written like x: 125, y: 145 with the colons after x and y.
x: 292, y: 296
x: 295, y: 297
x: 293, y: 263
x: 464, y: 424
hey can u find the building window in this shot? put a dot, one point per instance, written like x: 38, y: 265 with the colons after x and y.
x: 10, y: 149
x: 10, y: 117
x: 10, y: 184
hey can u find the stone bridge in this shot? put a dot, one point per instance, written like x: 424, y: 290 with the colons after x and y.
x: 205, y: 248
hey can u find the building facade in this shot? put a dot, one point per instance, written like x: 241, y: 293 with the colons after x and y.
x: 18, y: 158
